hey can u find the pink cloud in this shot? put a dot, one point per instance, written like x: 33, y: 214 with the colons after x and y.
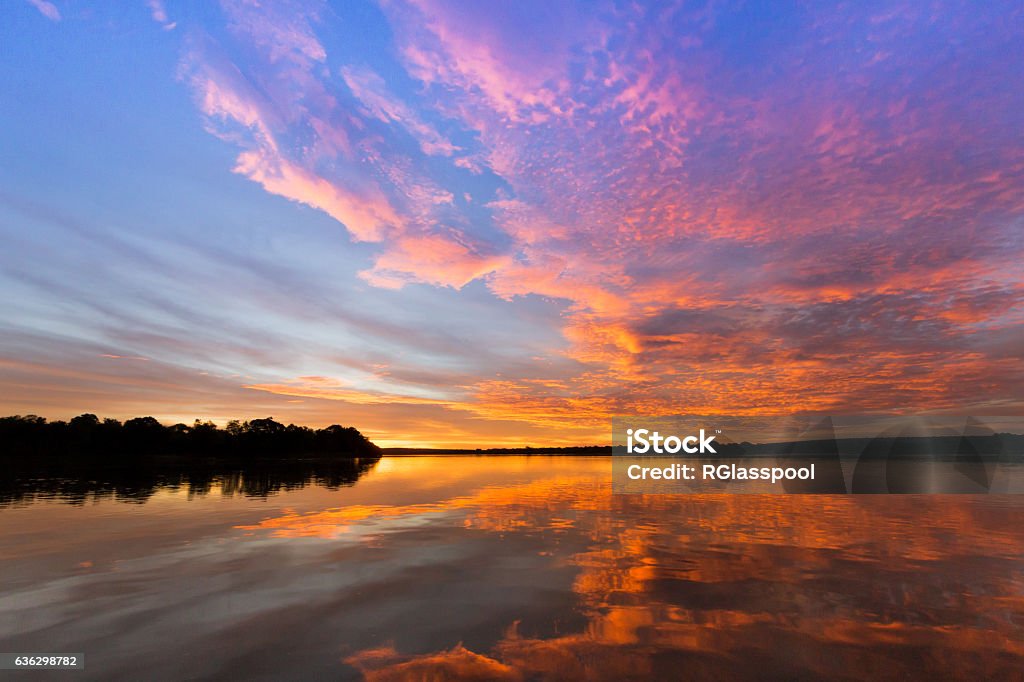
x: 367, y: 215
x: 371, y: 90
x: 441, y: 260
x: 640, y: 193
x: 372, y: 189
x: 47, y: 9
x: 282, y: 30
x: 520, y: 75
x: 158, y: 11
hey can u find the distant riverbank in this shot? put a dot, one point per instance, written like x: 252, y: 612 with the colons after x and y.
x: 601, y: 450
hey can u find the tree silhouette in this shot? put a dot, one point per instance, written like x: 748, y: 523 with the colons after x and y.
x: 85, y: 436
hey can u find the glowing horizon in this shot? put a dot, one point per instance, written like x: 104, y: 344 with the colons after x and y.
x: 460, y: 224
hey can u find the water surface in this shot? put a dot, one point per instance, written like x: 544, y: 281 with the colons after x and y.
x: 508, y: 568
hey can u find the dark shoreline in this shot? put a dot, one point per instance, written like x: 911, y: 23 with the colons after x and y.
x: 600, y: 450
x: 1008, y: 445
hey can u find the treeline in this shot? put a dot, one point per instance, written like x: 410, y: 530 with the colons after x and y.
x: 88, y: 436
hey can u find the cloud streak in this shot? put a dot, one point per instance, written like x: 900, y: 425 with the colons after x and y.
x: 47, y: 9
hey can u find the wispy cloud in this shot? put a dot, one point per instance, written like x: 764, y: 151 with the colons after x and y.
x: 47, y: 9
x: 158, y: 11
x: 370, y: 89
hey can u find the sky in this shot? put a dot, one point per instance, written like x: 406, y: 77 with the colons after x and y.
x: 489, y: 224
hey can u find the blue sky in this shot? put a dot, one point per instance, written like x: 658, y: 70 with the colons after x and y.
x: 467, y: 223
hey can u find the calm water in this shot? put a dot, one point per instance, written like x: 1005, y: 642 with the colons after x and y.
x: 511, y: 568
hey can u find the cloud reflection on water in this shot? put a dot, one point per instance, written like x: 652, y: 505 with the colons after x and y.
x: 520, y: 568
x: 734, y: 585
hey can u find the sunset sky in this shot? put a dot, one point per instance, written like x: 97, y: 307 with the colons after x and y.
x: 476, y: 223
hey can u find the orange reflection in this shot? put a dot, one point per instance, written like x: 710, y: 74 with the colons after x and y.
x: 733, y: 585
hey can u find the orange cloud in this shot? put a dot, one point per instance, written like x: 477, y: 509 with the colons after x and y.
x: 367, y: 216
x: 431, y: 258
